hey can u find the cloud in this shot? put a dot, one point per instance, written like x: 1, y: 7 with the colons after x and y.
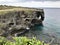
x: 24, y: 0
x: 37, y: 4
x: 32, y: 3
x: 45, y: 0
x: 36, y: 0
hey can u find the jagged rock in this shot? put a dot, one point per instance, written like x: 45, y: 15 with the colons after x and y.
x: 16, y: 20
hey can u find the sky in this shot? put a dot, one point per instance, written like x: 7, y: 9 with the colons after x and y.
x: 32, y: 3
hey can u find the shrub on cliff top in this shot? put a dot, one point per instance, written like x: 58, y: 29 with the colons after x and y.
x: 21, y: 41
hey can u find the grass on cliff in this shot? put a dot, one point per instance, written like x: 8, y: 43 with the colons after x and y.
x: 21, y: 41
x: 6, y: 9
x: 2, y: 12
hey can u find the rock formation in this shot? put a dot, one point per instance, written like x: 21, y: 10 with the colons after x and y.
x: 18, y: 20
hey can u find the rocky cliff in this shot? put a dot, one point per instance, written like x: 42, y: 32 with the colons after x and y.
x: 15, y: 20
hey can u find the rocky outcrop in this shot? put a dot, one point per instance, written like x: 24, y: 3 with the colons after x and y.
x: 19, y: 20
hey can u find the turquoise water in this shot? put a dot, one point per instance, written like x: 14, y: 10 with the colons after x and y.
x: 52, y: 21
x: 50, y: 28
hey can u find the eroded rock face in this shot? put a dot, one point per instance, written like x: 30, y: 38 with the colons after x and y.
x: 18, y: 20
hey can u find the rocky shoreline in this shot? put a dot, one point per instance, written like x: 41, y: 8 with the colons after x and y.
x: 19, y: 21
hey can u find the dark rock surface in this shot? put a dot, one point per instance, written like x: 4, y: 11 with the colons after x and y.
x: 18, y: 22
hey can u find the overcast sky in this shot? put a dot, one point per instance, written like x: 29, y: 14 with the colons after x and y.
x: 32, y: 3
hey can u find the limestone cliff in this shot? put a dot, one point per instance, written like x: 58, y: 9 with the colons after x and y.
x: 18, y: 19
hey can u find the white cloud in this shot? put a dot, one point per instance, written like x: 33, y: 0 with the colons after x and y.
x: 50, y: 4
x: 1, y: 1
x: 38, y: 4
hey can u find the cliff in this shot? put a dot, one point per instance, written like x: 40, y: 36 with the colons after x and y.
x: 17, y: 19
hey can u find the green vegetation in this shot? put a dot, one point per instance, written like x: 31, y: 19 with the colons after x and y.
x: 6, y: 9
x: 21, y: 41
x: 2, y: 7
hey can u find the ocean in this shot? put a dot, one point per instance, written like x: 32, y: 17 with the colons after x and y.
x: 50, y: 28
